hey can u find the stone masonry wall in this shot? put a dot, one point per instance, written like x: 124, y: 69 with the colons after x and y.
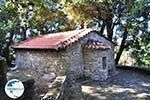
x: 97, y: 54
x: 39, y: 64
x: 93, y: 64
x: 111, y: 63
x: 95, y: 57
x: 73, y: 59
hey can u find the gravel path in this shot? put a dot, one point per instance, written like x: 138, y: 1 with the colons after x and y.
x: 126, y: 85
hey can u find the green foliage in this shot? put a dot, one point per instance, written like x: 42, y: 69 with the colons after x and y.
x: 47, y: 16
x: 140, y: 44
x: 79, y: 11
x: 141, y: 50
x: 134, y: 16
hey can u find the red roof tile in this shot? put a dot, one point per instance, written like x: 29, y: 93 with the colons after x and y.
x: 53, y: 41
x: 95, y: 45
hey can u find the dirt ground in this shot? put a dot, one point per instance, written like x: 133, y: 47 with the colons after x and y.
x: 126, y: 85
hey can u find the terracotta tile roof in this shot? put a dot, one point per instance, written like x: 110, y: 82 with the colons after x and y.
x: 53, y: 41
x: 95, y: 45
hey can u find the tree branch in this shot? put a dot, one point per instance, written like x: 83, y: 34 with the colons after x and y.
x: 122, y: 46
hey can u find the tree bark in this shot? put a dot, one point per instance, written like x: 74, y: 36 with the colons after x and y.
x: 5, y: 51
x: 24, y: 33
x: 3, y: 72
x: 109, y: 22
x: 82, y: 25
x: 102, y: 28
x: 1, y: 46
x: 122, y: 46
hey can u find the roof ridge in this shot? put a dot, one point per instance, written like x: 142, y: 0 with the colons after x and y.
x: 53, y: 41
x: 75, y: 38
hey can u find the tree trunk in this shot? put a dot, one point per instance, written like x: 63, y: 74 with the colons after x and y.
x: 24, y: 33
x: 71, y: 89
x: 102, y: 28
x: 109, y: 22
x: 1, y: 46
x: 122, y: 46
x: 6, y: 54
x: 3, y: 71
x: 82, y: 25
x: 5, y: 51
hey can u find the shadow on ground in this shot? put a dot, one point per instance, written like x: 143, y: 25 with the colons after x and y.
x: 126, y: 85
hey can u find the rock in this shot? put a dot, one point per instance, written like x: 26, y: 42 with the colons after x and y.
x: 71, y: 89
x: 54, y: 88
x: 49, y: 77
x: 20, y: 75
x: 64, y: 88
x: 57, y: 82
x: 27, y: 80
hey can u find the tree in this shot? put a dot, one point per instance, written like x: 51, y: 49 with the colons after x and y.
x: 19, y: 16
x: 118, y: 19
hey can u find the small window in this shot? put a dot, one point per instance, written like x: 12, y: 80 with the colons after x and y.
x: 104, y: 62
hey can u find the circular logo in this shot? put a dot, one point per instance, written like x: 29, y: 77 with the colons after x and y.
x: 14, y: 88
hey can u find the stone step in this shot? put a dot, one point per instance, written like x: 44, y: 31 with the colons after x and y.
x: 54, y: 88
